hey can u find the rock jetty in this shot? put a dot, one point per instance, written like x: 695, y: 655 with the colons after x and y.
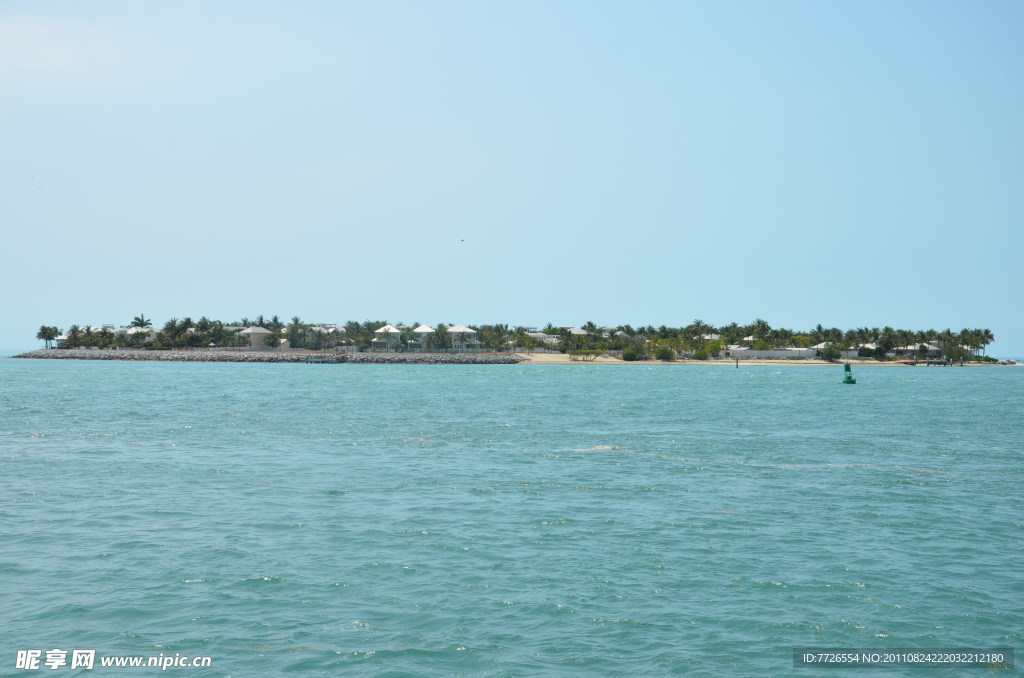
x: 217, y: 356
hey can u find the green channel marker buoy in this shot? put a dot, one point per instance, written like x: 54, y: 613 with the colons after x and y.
x: 848, y: 376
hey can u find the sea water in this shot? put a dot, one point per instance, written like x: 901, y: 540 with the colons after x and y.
x: 523, y: 520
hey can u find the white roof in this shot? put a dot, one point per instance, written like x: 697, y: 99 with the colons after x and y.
x: 460, y: 329
x: 255, y: 330
x: 914, y: 347
x: 389, y: 329
x: 423, y: 329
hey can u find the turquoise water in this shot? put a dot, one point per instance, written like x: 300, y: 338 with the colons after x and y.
x: 507, y: 520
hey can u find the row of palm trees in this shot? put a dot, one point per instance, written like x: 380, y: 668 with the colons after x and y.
x: 697, y: 336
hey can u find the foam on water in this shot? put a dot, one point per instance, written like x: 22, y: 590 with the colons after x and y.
x: 506, y: 520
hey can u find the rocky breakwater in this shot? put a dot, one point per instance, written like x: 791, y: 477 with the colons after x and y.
x: 210, y: 356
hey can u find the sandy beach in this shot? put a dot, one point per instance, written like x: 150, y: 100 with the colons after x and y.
x: 564, y: 359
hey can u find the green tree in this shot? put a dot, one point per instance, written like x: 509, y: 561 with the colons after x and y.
x: 297, y: 333
x: 888, y: 339
x: 74, y: 336
x: 632, y: 353
x: 830, y: 352
x: 494, y: 337
x: 141, y: 321
x: 664, y: 353
x: 731, y: 333
x: 803, y: 341
x: 170, y: 335
x: 47, y: 334
x: 760, y: 329
x: 440, y: 338
x: 986, y: 338
x: 595, y: 337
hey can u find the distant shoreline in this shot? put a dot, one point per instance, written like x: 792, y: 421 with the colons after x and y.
x: 373, y: 358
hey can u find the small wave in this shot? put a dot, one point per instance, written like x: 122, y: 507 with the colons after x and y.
x: 262, y: 579
x: 601, y: 621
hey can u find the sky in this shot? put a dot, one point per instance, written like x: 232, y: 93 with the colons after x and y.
x: 651, y: 162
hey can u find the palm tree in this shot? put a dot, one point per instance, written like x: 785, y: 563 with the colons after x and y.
x: 947, y: 340
x: 731, y: 333
x: 888, y: 339
x: 297, y: 333
x: 440, y: 338
x: 47, y: 334
x: 971, y: 338
x: 204, y: 327
x: 760, y: 329
x: 986, y: 338
x: 171, y: 331
x: 141, y: 321
x: 697, y: 329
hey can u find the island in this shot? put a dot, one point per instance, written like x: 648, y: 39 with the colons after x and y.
x: 269, y: 339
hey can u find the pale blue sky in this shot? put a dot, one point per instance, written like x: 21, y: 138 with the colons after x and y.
x: 848, y: 164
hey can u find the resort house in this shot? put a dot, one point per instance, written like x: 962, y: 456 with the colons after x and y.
x: 421, y: 337
x: 386, y: 338
x: 256, y: 336
x: 463, y: 337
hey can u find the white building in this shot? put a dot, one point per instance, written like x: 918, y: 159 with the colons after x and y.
x: 256, y: 335
x: 463, y: 337
x: 421, y: 336
x: 386, y: 338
